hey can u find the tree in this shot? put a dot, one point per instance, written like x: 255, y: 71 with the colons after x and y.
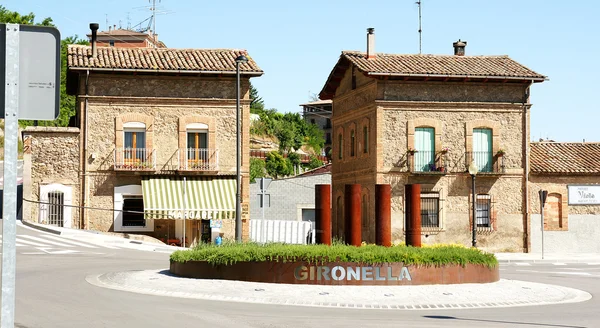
x: 13, y: 17
x: 67, y: 103
x: 257, y: 104
x: 276, y: 165
x: 257, y: 169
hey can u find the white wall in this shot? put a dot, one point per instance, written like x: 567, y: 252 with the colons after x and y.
x: 583, y: 236
x: 129, y: 190
x: 68, y: 200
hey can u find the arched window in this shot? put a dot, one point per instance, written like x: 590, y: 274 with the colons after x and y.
x: 340, y: 146
x: 352, y: 143
x: 365, y: 139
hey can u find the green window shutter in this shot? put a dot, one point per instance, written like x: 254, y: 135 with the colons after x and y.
x: 425, y: 147
x: 482, y: 149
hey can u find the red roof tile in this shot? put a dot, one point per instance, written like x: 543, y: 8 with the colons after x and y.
x: 476, y: 66
x: 161, y: 59
x: 565, y: 157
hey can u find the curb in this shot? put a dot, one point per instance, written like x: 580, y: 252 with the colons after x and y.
x: 549, y: 261
x: 38, y: 227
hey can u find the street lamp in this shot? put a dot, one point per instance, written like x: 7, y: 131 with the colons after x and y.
x: 473, y: 173
x: 238, y: 191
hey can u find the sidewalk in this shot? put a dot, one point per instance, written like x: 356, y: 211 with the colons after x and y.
x: 132, y: 241
x: 504, y: 293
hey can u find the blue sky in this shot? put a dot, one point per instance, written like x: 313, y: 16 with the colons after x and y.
x: 297, y: 43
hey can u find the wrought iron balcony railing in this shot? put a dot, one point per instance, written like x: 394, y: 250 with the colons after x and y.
x: 427, y: 162
x: 198, y: 159
x: 135, y: 159
x: 487, y: 162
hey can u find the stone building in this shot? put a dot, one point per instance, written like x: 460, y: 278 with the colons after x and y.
x: 155, y: 142
x: 423, y: 119
x: 319, y: 112
x: 570, y: 173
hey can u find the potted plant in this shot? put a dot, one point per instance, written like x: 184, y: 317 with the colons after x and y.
x: 445, y: 150
x: 411, y: 151
x: 500, y: 152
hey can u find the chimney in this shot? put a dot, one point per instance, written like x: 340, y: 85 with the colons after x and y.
x: 459, y: 47
x: 94, y: 27
x: 370, y: 43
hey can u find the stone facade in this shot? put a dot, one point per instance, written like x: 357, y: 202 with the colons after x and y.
x: 567, y: 228
x: 163, y: 106
x: 391, y: 110
x: 51, y: 157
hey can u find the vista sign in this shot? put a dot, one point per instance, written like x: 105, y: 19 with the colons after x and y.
x: 584, y: 195
x: 348, y: 273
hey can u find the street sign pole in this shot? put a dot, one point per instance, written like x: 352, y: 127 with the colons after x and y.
x: 9, y: 202
x: 543, y: 196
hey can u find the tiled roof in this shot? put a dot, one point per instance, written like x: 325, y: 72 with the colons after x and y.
x: 476, y: 66
x: 161, y: 59
x: 429, y: 66
x: 565, y: 157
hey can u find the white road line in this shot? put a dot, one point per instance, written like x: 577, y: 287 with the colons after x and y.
x: 19, y: 245
x: 46, y: 241
x: 65, y: 240
x: 574, y: 273
x: 594, y: 263
x: 559, y: 263
x: 30, y: 243
x: 522, y: 264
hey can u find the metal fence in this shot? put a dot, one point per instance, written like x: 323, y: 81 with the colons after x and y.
x: 275, y: 231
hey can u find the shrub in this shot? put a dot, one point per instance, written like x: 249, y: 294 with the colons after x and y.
x: 231, y: 252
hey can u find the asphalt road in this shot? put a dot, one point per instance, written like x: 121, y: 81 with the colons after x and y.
x: 52, y: 292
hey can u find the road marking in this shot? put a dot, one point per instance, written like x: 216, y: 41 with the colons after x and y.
x: 30, y: 243
x: 559, y: 263
x: 574, y: 273
x: 71, y: 241
x: 594, y: 263
x: 59, y: 252
x: 46, y: 241
x: 522, y: 264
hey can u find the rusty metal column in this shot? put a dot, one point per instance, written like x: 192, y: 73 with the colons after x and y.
x: 383, y: 215
x: 323, y: 214
x: 412, y: 194
x: 353, y: 232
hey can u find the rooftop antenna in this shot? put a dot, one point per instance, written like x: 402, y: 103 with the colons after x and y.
x: 420, y: 30
x: 128, y: 21
x: 106, y: 19
x: 153, y: 9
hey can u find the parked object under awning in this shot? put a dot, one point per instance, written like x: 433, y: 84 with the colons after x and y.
x: 206, y: 198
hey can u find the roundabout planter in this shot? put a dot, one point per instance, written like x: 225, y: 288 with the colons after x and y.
x: 337, y: 273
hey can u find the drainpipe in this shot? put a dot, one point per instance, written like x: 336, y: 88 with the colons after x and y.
x: 85, y: 180
x: 527, y: 217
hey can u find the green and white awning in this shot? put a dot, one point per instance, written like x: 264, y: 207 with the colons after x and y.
x: 205, y: 198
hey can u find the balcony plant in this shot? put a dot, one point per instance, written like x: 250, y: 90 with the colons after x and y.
x: 445, y: 150
x: 501, y: 152
x: 411, y: 151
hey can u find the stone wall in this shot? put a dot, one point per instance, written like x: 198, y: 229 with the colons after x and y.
x: 567, y: 228
x: 394, y: 109
x: 162, y: 104
x: 452, y: 91
x: 107, y: 85
x: 53, y: 156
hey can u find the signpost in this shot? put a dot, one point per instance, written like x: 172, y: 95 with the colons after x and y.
x: 543, y: 196
x: 264, y: 184
x: 30, y: 79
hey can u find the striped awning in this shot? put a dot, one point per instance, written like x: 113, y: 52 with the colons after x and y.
x: 205, y: 198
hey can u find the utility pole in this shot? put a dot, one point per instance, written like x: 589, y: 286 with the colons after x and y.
x: 420, y: 30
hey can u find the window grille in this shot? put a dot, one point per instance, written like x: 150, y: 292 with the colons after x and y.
x: 430, y: 209
x: 483, y: 210
x: 56, y: 200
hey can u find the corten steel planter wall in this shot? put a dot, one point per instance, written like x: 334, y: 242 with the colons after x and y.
x: 337, y: 273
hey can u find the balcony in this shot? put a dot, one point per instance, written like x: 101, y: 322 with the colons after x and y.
x: 488, y: 163
x: 427, y: 162
x: 135, y: 159
x: 198, y: 159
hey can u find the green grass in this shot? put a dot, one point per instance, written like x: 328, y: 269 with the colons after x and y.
x: 439, y: 255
